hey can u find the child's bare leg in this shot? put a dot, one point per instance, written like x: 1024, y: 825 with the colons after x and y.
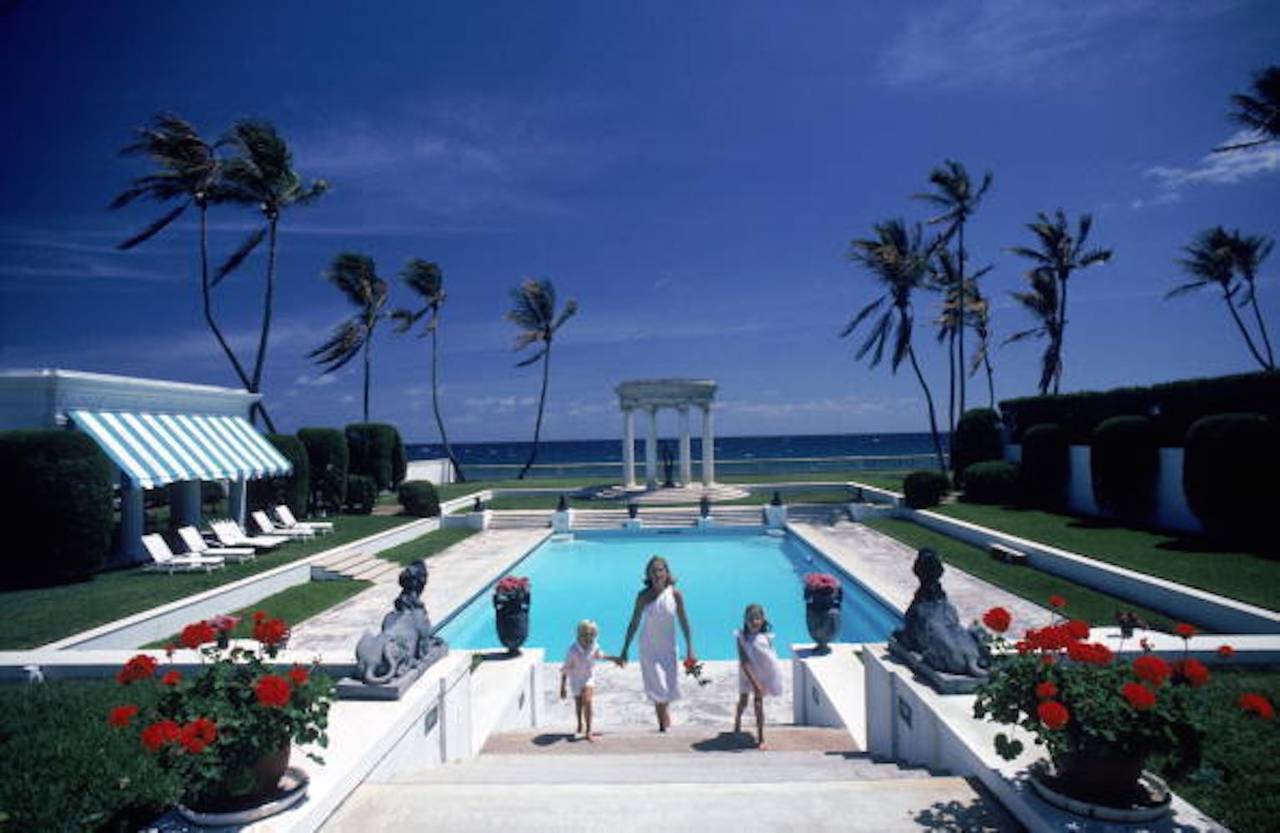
x: 664, y: 716
x: 587, y: 695
x: 759, y: 704
x: 737, y: 715
x: 577, y: 708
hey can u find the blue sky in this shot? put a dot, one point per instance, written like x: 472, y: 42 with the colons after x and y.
x: 690, y: 173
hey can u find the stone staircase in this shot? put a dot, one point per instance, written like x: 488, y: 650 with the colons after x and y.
x: 344, y: 566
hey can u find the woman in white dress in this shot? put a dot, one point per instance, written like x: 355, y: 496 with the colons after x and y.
x: 657, y: 608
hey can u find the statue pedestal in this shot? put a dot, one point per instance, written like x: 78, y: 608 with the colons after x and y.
x: 775, y: 516
x: 562, y: 521
x: 939, y: 681
x: 705, y: 522
x: 632, y: 523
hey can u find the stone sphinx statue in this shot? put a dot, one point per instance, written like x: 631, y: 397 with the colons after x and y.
x: 932, y: 639
x: 404, y: 648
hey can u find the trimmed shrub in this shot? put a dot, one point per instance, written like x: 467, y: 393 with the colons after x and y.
x: 922, y: 489
x: 58, y: 484
x: 362, y: 494
x: 419, y: 498
x: 1045, y: 463
x: 372, y: 446
x: 329, y: 460
x: 979, y: 437
x: 1124, y: 460
x: 1229, y: 474
x: 995, y: 481
x: 399, y: 462
x: 293, y: 488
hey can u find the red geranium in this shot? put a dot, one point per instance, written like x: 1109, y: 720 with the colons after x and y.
x: 1090, y: 652
x: 1057, y: 601
x: 270, y: 632
x: 272, y: 691
x: 1139, y: 696
x: 1257, y: 704
x: 121, y: 715
x: 1078, y: 628
x: 298, y: 674
x: 198, y: 734
x: 1226, y: 651
x: 818, y: 582
x: 512, y: 585
x: 998, y: 619
x: 1152, y: 669
x: 1053, y: 714
x: 1193, y: 671
x: 171, y: 678
x: 1184, y: 630
x: 1046, y: 691
x: 197, y: 634
x: 140, y: 667
x: 159, y: 734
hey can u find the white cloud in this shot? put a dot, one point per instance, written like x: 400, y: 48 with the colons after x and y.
x: 1226, y: 168
x: 316, y: 381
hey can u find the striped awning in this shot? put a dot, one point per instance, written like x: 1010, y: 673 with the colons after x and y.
x: 155, y: 449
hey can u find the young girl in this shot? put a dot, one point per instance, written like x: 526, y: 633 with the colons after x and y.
x: 759, y: 671
x: 579, y: 670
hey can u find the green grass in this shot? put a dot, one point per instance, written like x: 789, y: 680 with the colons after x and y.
x: 35, y: 617
x: 425, y: 546
x: 1250, y: 577
x: 1033, y: 585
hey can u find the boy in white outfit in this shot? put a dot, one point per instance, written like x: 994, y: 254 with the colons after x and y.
x: 579, y: 673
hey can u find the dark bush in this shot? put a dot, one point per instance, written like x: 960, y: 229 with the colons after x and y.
x: 362, y: 494
x: 1230, y: 474
x: 58, y: 486
x: 213, y: 498
x: 329, y: 461
x: 419, y: 498
x: 399, y: 462
x: 1045, y: 466
x: 995, y: 481
x: 922, y: 489
x: 979, y: 437
x: 292, y: 488
x: 372, y: 446
x: 1124, y: 461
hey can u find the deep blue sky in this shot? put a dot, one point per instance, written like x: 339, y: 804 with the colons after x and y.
x: 692, y: 176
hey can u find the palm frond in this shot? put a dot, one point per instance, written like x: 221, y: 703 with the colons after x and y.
x: 861, y: 316
x: 238, y: 256
x: 341, y: 347
x: 153, y: 229
x: 532, y: 359
x: 424, y: 278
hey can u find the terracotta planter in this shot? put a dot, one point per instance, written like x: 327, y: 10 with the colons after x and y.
x: 263, y: 781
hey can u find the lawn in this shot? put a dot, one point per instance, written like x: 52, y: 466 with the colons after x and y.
x: 1248, y: 576
x: 36, y: 617
x: 425, y: 546
x: 1033, y: 585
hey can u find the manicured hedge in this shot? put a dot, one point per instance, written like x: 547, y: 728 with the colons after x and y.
x: 978, y: 438
x: 372, y: 446
x: 57, y: 486
x: 329, y: 461
x: 1124, y: 462
x: 1172, y: 406
x: 292, y: 488
x: 995, y: 481
x: 419, y: 498
x: 362, y: 494
x: 399, y: 462
x: 922, y: 489
x: 1045, y: 465
x: 1230, y: 475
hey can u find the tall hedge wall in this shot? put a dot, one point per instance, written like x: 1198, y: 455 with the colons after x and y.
x: 1124, y: 461
x: 293, y: 488
x: 58, y: 486
x: 329, y: 460
x: 1045, y: 465
x: 979, y: 438
x: 1230, y: 475
x: 372, y: 446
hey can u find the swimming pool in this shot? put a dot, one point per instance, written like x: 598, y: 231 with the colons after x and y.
x: 596, y: 575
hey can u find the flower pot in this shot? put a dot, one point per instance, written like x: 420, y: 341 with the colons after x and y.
x: 1110, y: 780
x: 512, y: 618
x: 244, y: 790
x: 822, y: 616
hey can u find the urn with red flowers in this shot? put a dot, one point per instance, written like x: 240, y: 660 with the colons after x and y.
x: 511, y: 611
x: 822, y: 596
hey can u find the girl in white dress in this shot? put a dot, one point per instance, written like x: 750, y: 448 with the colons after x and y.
x: 759, y: 671
x: 579, y: 672
x: 661, y: 605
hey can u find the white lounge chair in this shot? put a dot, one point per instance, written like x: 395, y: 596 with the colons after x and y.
x: 266, y: 527
x: 196, y: 545
x: 229, y: 534
x: 163, y: 560
x: 287, y: 520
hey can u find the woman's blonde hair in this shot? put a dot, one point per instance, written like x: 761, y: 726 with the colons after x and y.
x: 588, y: 626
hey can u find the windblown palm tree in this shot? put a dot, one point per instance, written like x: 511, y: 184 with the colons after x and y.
x: 187, y: 169
x: 980, y: 321
x: 425, y: 279
x: 899, y: 261
x: 1212, y: 260
x: 1247, y: 254
x: 1259, y: 111
x: 1042, y: 303
x: 262, y: 174
x: 1059, y: 254
x: 533, y: 310
x: 355, y: 275
x: 958, y: 199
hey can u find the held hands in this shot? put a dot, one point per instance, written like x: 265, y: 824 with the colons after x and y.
x: 621, y: 659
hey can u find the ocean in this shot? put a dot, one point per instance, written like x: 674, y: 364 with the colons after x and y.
x: 734, y: 455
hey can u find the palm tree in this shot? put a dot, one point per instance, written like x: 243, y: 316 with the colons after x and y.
x: 188, y: 169
x: 262, y: 174
x: 1247, y: 254
x: 958, y: 199
x: 357, y: 277
x: 1259, y: 111
x: 533, y: 310
x: 1042, y: 303
x: 426, y: 280
x: 1211, y: 260
x: 1060, y: 254
x: 980, y: 321
x: 898, y: 260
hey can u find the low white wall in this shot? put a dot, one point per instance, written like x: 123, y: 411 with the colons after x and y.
x: 437, y: 471
x: 829, y: 689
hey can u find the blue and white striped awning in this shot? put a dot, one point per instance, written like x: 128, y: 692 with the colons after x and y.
x: 155, y: 449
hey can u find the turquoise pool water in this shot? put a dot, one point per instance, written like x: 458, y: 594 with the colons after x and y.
x: 597, y: 574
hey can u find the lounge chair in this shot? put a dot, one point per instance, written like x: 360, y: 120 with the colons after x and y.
x: 229, y: 534
x: 164, y: 561
x: 285, y: 516
x: 265, y: 527
x: 196, y: 545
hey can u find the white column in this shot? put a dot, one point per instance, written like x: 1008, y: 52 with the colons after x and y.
x: 686, y: 465
x: 628, y: 448
x: 651, y: 451
x: 708, y: 448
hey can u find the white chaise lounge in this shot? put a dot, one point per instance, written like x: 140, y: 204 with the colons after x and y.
x: 266, y: 527
x: 229, y: 534
x: 164, y: 561
x: 287, y: 520
x: 197, y: 545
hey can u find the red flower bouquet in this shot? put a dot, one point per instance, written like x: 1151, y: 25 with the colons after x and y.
x: 694, y: 669
x: 509, y: 587
x: 820, y: 582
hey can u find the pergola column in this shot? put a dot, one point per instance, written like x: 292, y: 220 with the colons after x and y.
x: 686, y: 465
x: 628, y: 448
x: 708, y: 448
x: 651, y: 451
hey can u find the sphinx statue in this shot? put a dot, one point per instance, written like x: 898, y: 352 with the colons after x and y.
x: 404, y: 648
x: 932, y: 640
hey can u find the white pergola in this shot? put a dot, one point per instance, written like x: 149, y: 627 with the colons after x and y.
x: 651, y: 395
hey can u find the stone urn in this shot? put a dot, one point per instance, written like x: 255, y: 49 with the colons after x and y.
x: 822, y: 597
x: 511, y: 612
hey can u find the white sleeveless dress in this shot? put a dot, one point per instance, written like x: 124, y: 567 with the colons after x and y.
x: 658, y: 666
x: 764, y: 662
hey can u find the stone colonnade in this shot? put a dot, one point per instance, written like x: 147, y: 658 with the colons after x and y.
x: 650, y: 395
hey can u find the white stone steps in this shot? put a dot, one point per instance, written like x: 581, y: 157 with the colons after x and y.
x: 373, y: 570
